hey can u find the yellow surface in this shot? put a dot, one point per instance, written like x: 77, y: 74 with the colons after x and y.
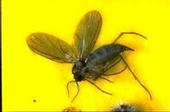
x: 27, y: 76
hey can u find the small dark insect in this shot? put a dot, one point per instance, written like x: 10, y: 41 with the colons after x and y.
x: 125, y: 108
x: 88, y: 65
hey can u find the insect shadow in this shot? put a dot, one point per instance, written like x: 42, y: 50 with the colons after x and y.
x: 88, y: 65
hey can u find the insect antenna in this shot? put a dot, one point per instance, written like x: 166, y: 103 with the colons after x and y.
x: 98, y: 87
x: 133, y: 33
x: 77, y: 89
x: 137, y: 79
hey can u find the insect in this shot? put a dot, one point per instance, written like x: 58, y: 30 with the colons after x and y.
x: 88, y: 65
x: 125, y: 108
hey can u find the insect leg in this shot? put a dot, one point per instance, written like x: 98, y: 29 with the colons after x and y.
x: 110, y: 66
x: 77, y: 89
x: 116, y: 72
x: 133, y: 33
x: 137, y: 78
x: 106, y: 79
x: 98, y: 87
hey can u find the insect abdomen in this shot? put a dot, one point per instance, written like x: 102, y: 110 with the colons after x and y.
x: 106, y: 53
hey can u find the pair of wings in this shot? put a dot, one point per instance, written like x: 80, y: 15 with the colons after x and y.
x: 58, y: 50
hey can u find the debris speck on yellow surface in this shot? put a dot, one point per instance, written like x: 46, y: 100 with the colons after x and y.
x: 33, y: 83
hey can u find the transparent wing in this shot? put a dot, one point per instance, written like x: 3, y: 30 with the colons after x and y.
x: 87, y: 33
x: 115, y: 67
x: 51, y: 47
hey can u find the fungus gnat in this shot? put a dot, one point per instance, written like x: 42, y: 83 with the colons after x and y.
x: 88, y: 65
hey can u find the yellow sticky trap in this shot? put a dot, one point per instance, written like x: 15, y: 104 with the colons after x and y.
x: 33, y: 83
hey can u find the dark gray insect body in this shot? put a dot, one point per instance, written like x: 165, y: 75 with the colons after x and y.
x: 88, y: 65
x: 98, y: 62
